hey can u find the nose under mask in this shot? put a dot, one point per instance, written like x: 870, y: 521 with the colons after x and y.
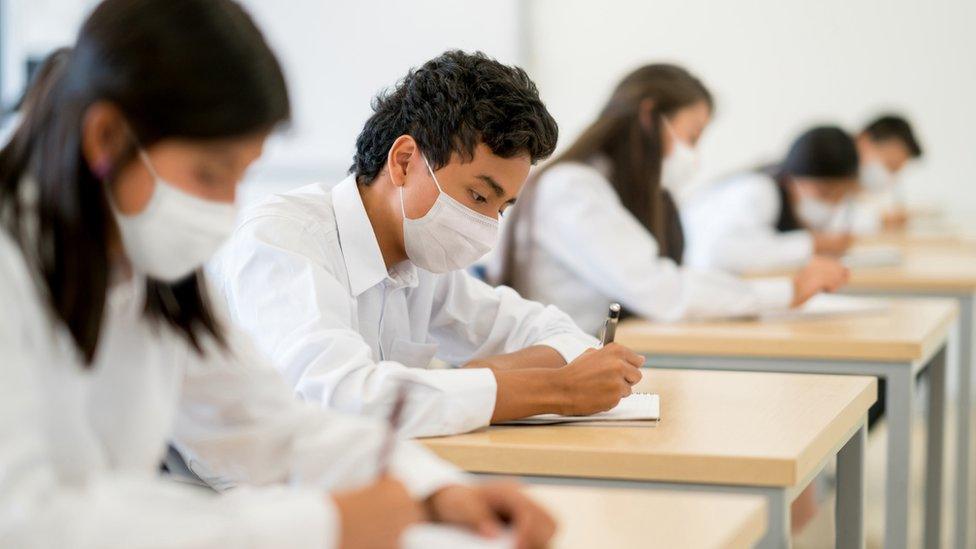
x: 450, y: 236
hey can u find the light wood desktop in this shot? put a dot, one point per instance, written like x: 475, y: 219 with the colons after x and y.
x: 908, y: 330
x: 609, y: 517
x: 731, y: 431
x: 895, y: 344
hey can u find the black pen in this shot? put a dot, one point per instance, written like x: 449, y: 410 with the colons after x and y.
x: 610, y: 326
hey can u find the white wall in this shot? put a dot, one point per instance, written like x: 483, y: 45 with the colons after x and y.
x: 336, y: 55
x: 774, y: 65
x: 778, y: 65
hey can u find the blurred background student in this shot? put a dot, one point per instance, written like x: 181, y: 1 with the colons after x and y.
x: 886, y: 146
x: 118, y: 184
x: 778, y: 216
x: 600, y: 224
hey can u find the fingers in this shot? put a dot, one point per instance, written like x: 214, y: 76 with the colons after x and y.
x: 532, y: 526
x: 626, y: 354
x: 466, y: 507
x: 632, y: 375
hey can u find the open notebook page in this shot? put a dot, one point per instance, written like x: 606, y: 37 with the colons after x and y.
x: 827, y: 305
x: 636, y: 407
x: 430, y: 536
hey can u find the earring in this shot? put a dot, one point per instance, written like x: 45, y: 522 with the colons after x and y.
x: 101, y: 169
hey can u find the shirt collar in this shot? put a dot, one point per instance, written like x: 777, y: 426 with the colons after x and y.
x: 360, y: 250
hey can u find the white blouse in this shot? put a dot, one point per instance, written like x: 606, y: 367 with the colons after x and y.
x: 731, y: 225
x: 81, y: 447
x: 585, y: 250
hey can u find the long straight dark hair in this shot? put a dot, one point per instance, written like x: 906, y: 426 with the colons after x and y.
x: 191, y: 69
x: 634, y: 148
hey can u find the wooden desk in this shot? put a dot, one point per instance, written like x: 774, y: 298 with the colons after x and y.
x: 940, y: 270
x: 607, y: 517
x: 896, y: 345
x: 740, y: 432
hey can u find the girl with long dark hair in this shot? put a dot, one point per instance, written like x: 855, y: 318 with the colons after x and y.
x: 600, y: 223
x: 116, y: 187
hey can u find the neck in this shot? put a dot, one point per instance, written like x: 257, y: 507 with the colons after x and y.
x: 382, y: 202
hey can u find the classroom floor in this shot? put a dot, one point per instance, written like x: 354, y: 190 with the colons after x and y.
x: 820, y: 532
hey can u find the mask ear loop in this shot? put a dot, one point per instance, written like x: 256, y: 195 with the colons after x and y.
x: 431, y: 171
x: 437, y: 184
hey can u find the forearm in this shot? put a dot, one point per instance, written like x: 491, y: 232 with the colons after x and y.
x: 537, y: 356
x: 527, y: 392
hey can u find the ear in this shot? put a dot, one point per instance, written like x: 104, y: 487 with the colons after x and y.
x: 104, y: 136
x: 398, y: 160
x: 645, y: 113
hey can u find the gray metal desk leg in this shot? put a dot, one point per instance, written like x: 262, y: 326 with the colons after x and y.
x: 900, y: 400
x: 778, y: 521
x: 849, y: 512
x: 935, y: 450
x: 964, y: 424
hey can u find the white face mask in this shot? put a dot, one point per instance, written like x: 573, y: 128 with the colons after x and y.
x: 176, y: 233
x: 816, y: 214
x: 875, y: 176
x: 679, y: 167
x: 450, y: 236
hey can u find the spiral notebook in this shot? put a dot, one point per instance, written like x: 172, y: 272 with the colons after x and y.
x: 636, y: 407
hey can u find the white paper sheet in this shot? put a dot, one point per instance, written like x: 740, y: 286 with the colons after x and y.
x: 827, y: 305
x: 636, y: 407
x: 436, y: 536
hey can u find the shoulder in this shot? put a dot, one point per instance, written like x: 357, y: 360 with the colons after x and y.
x: 306, y: 209
x: 572, y: 179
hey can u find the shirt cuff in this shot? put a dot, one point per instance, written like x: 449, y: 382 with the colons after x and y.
x: 422, y: 472
x: 570, y: 345
x: 772, y: 293
x: 286, y: 517
x: 468, y: 403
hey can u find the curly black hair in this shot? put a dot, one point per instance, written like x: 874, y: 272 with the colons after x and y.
x: 449, y: 105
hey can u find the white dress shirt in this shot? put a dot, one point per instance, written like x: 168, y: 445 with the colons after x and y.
x: 585, y: 250
x: 80, y: 448
x: 731, y: 225
x: 303, y: 274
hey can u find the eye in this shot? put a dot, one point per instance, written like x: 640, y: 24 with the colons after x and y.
x: 477, y: 197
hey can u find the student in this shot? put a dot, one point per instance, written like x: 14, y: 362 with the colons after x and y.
x: 599, y: 223
x: 885, y: 146
x: 780, y: 216
x: 355, y: 289
x: 117, y: 185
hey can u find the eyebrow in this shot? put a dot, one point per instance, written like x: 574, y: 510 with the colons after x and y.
x: 495, y: 187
